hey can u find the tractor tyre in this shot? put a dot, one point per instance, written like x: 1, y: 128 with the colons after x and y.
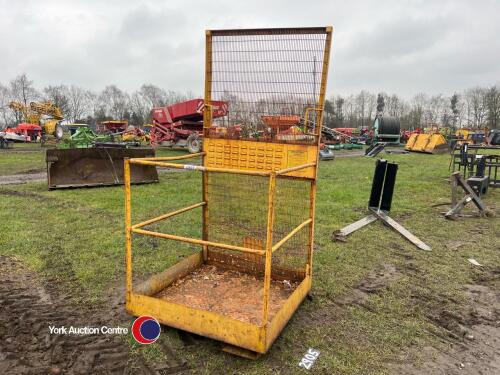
x: 194, y: 143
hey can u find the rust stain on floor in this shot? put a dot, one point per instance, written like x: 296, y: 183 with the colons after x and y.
x: 231, y: 293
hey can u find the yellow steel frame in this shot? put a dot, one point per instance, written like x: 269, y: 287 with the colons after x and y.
x: 260, y: 156
x: 255, y: 337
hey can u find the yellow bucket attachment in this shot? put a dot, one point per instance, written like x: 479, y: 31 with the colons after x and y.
x: 428, y: 143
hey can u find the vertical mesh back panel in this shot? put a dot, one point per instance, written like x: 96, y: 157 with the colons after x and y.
x: 237, y: 215
x: 237, y: 207
x: 268, y: 78
x: 237, y: 210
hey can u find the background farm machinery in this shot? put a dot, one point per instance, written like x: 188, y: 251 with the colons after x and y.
x: 120, y: 130
x: 41, y: 119
x: 181, y: 124
x: 23, y: 132
x: 437, y: 140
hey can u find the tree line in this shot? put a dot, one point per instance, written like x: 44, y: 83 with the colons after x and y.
x: 80, y: 105
x: 476, y: 107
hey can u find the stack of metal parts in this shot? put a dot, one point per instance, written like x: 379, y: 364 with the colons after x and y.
x: 479, y: 165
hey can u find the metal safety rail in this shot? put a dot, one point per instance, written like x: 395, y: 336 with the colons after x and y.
x: 130, y: 228
x: 258, y: 189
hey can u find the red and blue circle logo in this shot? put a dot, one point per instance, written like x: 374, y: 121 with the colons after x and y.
x: 146, y: 329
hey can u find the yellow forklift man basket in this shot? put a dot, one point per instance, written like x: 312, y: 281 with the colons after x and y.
x: 252, y: 266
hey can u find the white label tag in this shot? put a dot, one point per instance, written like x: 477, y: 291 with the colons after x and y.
x: 194, y: 167
x: 309, y: 358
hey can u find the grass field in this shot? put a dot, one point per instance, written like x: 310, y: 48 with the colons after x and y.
x: 29, y: 158
x: 22, y: 159
x: 76, y: 237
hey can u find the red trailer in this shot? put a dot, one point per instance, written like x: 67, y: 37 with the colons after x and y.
x: 113, y: 126
x: 181, y: 124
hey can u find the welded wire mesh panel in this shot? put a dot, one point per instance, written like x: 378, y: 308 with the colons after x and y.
x: 237, y: 215
x: 237, y: 210
x: 291, y: 208
x: 269, y: 78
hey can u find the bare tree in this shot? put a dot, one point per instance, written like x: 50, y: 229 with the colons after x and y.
x: 493, y: 106
x: 370, y: 106
x: 361, y: 103
x: 79, y: 103
x: 58, y: 95
x: 148, y: 97
x: 476, y: 106
x: 153, y: 95
x: 114, y: 102
x: 141, y: 108
x: 417, y: 108
x: 365, y: 102
x: 434, y: 110
x: 350, y: 110
x: 21, y: 90
x: 5, y: 114
x: 339, y: 112
x: 394, y: 106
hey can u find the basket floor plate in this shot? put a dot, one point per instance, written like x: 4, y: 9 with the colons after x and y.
x: 230, y: 293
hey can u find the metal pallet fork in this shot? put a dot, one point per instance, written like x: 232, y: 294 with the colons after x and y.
x: 374, y: 150
x: 379, y: 205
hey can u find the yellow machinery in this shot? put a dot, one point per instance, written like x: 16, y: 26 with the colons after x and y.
x: 432, y: 143
x: 470, y: 136
x: 243, y: 278
x: 135, y: 134
x: 463, y: 133
x: 121, y: 128
x: 45, y: 114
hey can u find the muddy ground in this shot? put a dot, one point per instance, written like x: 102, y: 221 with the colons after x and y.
x: 23, y: 178
x: 38, y: 176
x: 29, y: 304
x: 27, y: 308
x: 471, y: 343
x: 467, y: 336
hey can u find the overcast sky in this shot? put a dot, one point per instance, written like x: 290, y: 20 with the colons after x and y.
x: 401, y: 47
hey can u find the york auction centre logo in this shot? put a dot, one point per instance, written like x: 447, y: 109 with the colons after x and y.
x: 146, y: 329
